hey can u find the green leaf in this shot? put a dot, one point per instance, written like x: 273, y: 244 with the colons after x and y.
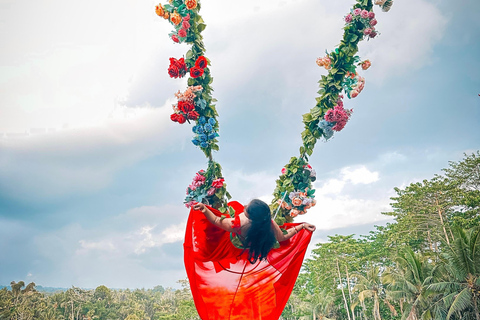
x: 201, y: 27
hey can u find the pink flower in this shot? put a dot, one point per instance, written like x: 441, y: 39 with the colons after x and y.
x: 357, y: 11
x: 373, y: 22
x: 198, y: 180
x: 190, y: 203
x: 284, y: 170
x: 339, y: 116
x: 367, y: 31
x: 297, y: 202
x: 371, y: 15
x: 348, y: 18
x: 364, y: 14
x: 354, y: 94
x: 218, y: 183
x: 186, y: 25
x: 187, y: 17
x: 294, y: 213
x: 211, y: 191
x: 175, y: 38
x: 182, y: 33
x: 191, y: 187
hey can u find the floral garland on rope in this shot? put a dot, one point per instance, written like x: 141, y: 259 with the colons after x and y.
x: 293, y: 194
x: 196, y: 102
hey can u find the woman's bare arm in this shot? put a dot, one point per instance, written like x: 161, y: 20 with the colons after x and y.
x: 225, y: 223
x: 280, y: 236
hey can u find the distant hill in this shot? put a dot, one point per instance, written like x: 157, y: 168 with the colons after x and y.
x: 41, y: 289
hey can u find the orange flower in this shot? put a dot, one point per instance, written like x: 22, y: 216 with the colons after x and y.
x: 159, y: 10
x: 175, y: 18
x: 166, y: 15
x: 297, y: 202
x: 294, y: 213
x: 191, y: 4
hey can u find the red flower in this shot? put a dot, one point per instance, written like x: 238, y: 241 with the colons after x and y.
x: 182, y: 33
x: 173, y: 71
x: 196, y: 72
x: 193, y: 115
x: 177, y: 68
x: 201, y: 62
x: 218, y: 183
x: 181, y: 118
x: 176, y: 117
x: 186, y: 106
x: 175, y: 38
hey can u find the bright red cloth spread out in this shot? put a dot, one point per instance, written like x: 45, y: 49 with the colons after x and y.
x: 225, y: 286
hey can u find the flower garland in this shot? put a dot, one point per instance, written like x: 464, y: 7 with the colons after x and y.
x: 293, y: 194
x: 196, y: 102
x: 328, y: 116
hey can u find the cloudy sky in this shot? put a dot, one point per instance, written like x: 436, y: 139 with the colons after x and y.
x: 93, y: 173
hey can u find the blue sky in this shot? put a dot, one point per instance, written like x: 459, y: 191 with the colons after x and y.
x: 93, y: 173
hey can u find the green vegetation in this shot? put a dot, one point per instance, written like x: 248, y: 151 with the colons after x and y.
x: 424, y: 265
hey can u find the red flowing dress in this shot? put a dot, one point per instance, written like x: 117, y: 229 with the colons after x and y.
x: 225, y: 286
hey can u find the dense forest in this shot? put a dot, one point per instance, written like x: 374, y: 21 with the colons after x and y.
x: 424, y: 265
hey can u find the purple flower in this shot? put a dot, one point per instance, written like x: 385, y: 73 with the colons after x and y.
x: 371, y: 15
x: 357, y: 11
x: 373, y: 22
x: 373, y: 34
x: 367, y: 31
x: 348, y: 18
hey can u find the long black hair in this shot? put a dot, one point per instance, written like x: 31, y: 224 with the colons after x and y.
x: 260, y: 238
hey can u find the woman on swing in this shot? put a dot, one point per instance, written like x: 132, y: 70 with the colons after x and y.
x: 236, y: 268
x: 254, y: 227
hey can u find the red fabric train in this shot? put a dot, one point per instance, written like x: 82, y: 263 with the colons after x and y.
x: 225, y: 286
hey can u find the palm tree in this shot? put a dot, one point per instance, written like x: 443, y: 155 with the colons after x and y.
x: 370, y: 286
x: 406, y: 282
x: 460, y: 286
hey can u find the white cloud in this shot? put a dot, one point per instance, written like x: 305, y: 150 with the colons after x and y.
x: 408, y: 33
x: 359, y: 175
x: 84, y: 160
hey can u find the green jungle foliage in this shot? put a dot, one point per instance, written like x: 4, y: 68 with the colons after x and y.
x: 424, y: 265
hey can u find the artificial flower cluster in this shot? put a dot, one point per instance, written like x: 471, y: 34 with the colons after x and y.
x: 338, y: 116
x: 301, y: 199
x: 365, y: 64
x: 353, y: 84
x: 179, y: 15
x: 205, y: 132
x: 335, y: 119
x: 188, y: 101
x: 298, y: 202
x: 325, y: 62
x: 202, y: 189
x: 364, y: 20
x: 178, y: 68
